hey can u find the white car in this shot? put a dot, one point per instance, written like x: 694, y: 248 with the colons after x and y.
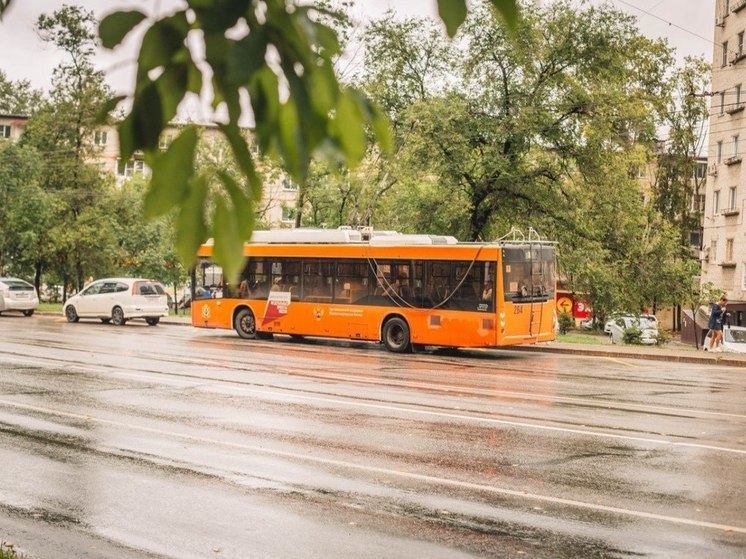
x: 734, y: 339
x: 646, y: 323
x: 118, y: 300
x: 649, y: 317
x: 18, y: 295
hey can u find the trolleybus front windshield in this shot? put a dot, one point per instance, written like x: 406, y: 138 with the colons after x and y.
x: 528, y: 273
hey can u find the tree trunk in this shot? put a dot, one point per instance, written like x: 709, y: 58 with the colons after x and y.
x: 37, y: 276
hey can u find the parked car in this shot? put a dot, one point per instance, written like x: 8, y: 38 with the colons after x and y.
x: 614, y: 317
x: 18, y: 295
x: 118, y: 300
x: 734, y: 339
x: 646, y: 323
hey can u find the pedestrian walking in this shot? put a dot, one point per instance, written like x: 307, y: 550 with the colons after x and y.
x: 717, y: 314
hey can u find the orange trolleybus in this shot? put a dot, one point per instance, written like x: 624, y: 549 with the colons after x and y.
x: 407, y: 291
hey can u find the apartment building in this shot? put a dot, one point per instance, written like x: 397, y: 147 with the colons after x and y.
x: 277, y: 207
x: 724, y: 234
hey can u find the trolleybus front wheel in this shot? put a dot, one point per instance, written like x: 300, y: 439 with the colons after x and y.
x: 396, y: 335
x: 245, y: 324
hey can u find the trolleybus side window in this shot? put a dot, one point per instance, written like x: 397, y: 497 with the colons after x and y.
x: 438, y: 286
x: 318, y: 280
x: 351, y: 283
x: 257, y: 278
x: 468, y: 285
x: 208, y: 280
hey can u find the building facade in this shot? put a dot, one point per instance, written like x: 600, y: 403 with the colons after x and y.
x: 11, y: 126
x: 724, y: 235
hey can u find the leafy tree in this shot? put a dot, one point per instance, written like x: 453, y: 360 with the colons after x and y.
x: 18, y: 97
x: 62, y: 131
x: 516, y: 114
x: 255, y: 49
x: 144, y: 248
x: 676, y: 181
x: 541, y: 128
x: 25, y: 211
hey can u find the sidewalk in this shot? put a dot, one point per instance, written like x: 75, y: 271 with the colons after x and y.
x: 669, y: 353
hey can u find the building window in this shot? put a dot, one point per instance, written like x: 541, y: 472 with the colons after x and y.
x: 698, y: 203
x: 722, y: 102
x: 738, y: 94
x: 735, y: 145
x: 729, y: 250
x: 130, y: 168
x: 288, y: 214
x: 743, y: 276
x: 740, y: 43
x: 725, y: 53
x: 732, y: 198
x: 726, y: 3
x: 4, y: 131
x: 716, y: 202
x: 99, y: 137
x: 288, y: 184
x: 720, y: 151
x: 713, y: 250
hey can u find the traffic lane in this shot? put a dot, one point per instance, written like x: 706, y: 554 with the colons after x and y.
x: 449, y: 442
x: 399, y: 495
x: 514, y: 386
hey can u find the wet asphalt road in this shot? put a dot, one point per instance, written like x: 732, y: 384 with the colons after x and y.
x: 171, y: 441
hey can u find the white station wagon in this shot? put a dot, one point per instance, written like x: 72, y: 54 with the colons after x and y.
x: 118, y: 300
x: 18, y: 295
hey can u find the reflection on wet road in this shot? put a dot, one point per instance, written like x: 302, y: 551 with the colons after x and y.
x: 168, y: 441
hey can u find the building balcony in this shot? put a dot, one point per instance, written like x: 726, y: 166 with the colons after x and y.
x: 733, y: 160
x: 712, y: 170
x: 735, y: 108
x: 727, y: 264
x: 729, y: 212
x: 737, y: 5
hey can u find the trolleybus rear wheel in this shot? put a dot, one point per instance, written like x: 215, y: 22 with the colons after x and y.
x: 396, y: 335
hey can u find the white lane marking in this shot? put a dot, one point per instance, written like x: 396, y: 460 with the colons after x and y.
x: 445, y: 415
x: 387, y: 471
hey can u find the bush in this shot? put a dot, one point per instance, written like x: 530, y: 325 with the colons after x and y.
x: 566, y: 322
x: 664, y: 336
x: 632, y: 336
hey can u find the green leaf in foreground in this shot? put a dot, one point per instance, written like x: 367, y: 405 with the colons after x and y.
x: 115, y: 27
x: 191, y: 229
x: 228, y: 249
x: 453, y: 14
x: 509, y: 11
x: 171, y: 173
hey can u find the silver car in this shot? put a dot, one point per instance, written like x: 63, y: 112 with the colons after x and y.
x: 118, y: 300
x: 18, y: 295
x: 734, y: 339
x: 647, y: 324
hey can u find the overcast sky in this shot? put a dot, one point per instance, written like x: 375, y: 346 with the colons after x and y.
x: 686, y: 24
